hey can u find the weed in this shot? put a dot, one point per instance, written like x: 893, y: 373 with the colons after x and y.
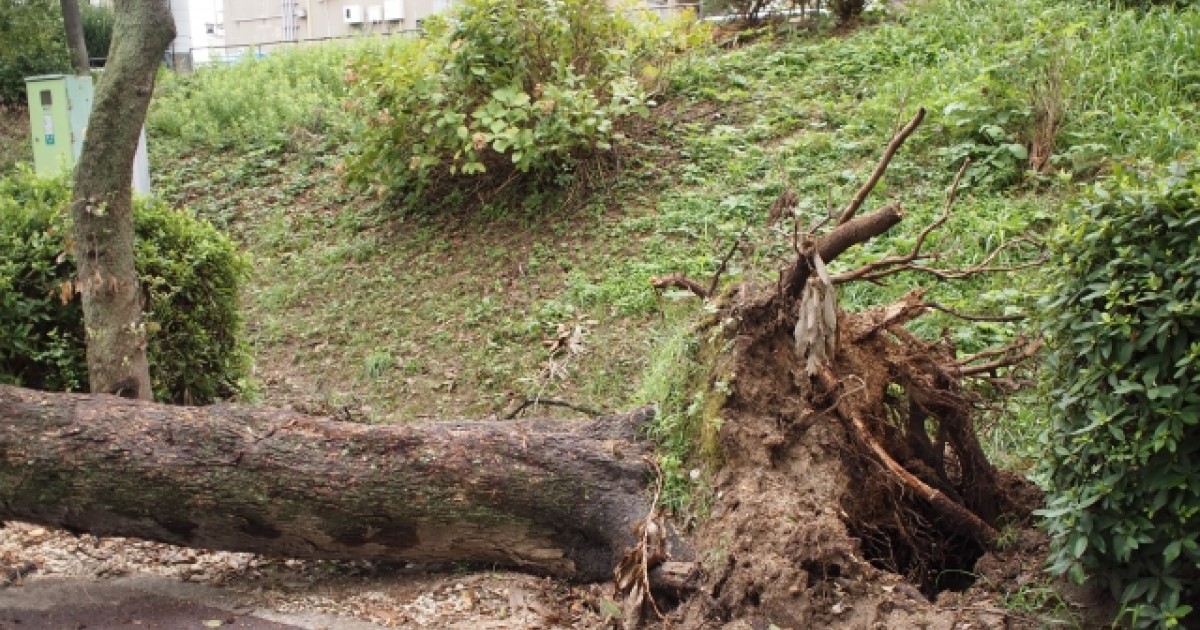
x: 256, y: 102
x: 378, y: 363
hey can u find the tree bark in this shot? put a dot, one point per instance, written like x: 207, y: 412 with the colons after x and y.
x: 102, y: 207
x: 551, y: 497
x: 73, y: 20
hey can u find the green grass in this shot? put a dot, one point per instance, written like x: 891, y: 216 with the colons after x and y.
x: 448, y: 315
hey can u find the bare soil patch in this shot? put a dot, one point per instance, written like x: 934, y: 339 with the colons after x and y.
x: 389, y: 596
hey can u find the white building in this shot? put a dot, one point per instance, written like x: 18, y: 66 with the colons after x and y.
x: 199, y: 31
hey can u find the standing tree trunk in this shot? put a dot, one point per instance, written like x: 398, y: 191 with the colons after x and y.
x: 552, y: 497
x: 73, y: 21
x: 102, y: 209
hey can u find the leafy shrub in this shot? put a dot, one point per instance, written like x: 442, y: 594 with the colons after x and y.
x: 190, y: 275
x: 530, y: 86
x: 847, y: 10
x: 259, y: 102
x: 32, y: 42
x: 1123, y: 454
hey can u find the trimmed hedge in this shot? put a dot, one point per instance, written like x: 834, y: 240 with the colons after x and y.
x: 1122, y: 458
x: 190, y: 272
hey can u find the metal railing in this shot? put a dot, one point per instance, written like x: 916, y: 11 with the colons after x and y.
x: 226, y: 55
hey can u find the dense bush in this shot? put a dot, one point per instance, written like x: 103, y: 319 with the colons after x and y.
x: 530, y: 86
x: 32, y: 42
x: 190, y: 275
x: 258, y: 102
x: 1123, y: 454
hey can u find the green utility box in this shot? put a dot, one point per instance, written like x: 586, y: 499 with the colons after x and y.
x: 59, y: 106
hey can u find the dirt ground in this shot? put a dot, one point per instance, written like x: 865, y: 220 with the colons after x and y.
x: 387, y: 596
x: 1009, y: 591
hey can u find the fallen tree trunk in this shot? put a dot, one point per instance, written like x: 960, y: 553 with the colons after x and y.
x: 550, y: 497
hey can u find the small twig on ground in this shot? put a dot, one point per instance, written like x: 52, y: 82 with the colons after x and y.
x: 782, y: 205
x: 893, y: 146
x: 552, y: 402
x: 679, y: 281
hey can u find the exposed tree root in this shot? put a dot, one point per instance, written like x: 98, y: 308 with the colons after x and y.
x: 849, y: 443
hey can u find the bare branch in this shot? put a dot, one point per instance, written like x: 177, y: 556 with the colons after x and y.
x: 892, y: 147
x: 859, y: 230
x: 950, y: 274
x: 679, y: 281
x: 1013, y: 354
x: 867, y: 271
x: 712, y: 285
x: 892, y: 265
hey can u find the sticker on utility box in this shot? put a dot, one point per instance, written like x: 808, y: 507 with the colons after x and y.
x: 48, y: 129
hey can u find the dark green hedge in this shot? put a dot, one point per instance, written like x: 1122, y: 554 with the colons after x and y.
x: 1122, y: 458
x: 190, y: 273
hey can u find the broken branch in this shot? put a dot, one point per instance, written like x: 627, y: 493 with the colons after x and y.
x: 712, y: 286
x: 1027, y: 351
x: 679, y: 281
x: 872, y: 271
x: 877, y: 174
x: 859, y: 230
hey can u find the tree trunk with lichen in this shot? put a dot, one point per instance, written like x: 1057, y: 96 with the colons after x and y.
x: 102, y: 208
x: 549, y: 497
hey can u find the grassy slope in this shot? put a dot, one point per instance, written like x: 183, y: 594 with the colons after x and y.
x: 354, y: 304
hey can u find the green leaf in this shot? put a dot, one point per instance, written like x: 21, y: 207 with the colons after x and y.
x: 1018, y: 151
x: 1171, y: 551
